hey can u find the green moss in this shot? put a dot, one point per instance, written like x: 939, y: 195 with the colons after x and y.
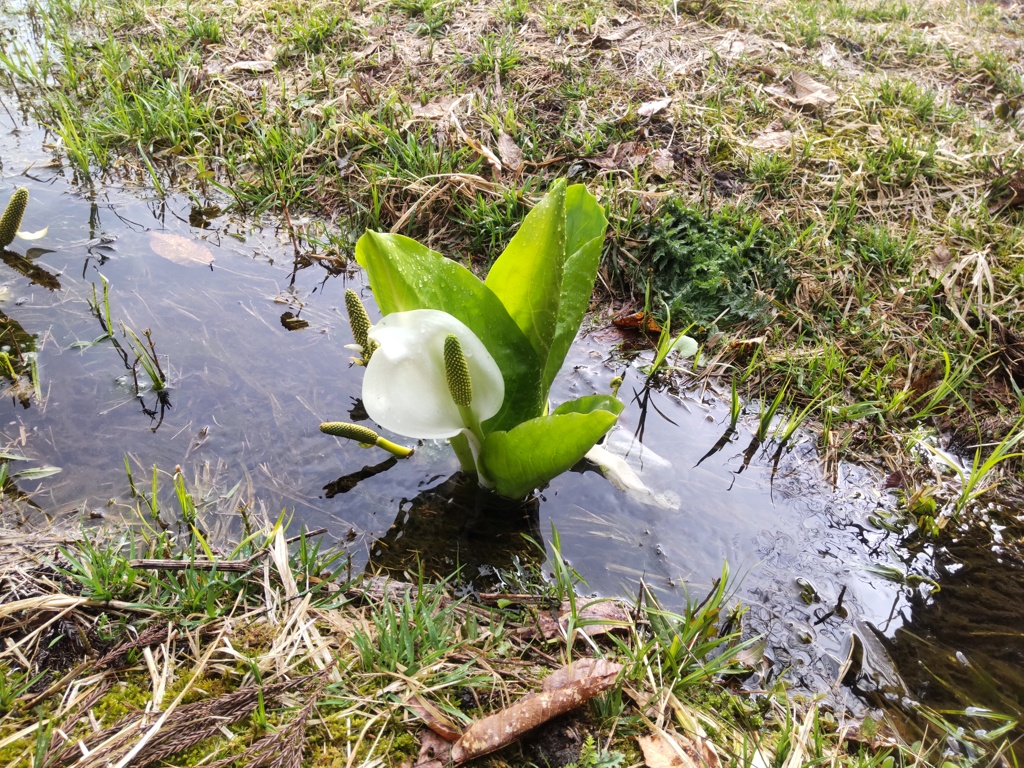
x: 724, y: 264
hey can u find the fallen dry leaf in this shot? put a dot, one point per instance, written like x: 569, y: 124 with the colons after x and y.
x: 258, y: 65
x: 808, y: 92
x: 596, y: 616
x: 939, y: 260
x: 435, y: 751
x: 432, y: 109
x: 605, y: 39
x: 673, y: 750
x: 580, y: 670
x: 627, y: 156
x: 650, y: 108
x: 509, y: 152
x: 770, y: 141
x: 180, y: 250
x: 662, y: 163
x: 503, y: 727
x: 658, y: 753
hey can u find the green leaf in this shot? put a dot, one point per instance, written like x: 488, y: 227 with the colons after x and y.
x: 405, y: 275
x: 36, y: 474
x: 585, y: 225
x: 589, y: 404
x: 527, y: 276
x: 542, y: 448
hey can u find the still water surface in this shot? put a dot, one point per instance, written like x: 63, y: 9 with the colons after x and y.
x: 253, y: 349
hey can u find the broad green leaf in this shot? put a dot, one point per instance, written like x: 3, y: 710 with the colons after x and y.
x: 405, y: 275
x: 589, y: 404
x: 585, y: 225
x: 542, y: 448
x: 527, y: 276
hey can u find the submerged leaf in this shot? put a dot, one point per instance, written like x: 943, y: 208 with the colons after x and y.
x: 180, y: 250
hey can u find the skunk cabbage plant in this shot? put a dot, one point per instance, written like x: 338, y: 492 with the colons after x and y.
x: 472, y: 361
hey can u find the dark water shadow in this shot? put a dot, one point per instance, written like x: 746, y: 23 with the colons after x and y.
x: 458, y: 527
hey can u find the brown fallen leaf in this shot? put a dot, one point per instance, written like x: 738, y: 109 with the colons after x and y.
x: 617, y: 35
x: 594, y: 616
x: 662, y: 163
x: 627, y: 156
x: 673, y: 750
x: 579, y: 670
x: 180, y: 250
x: 435, y: 719
x: 597, y: 616
x: 772, y: 140
x: 509, y: 152
x: 496, y: 731
x: 808, y: 92
x: 432, y: 109
x: 435, y: 751
x: 939, y: 261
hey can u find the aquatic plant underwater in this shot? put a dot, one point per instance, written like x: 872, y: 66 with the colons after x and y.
x: 472, y: 361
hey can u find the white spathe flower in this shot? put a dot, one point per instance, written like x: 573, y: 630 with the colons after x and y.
x: 405, y: 388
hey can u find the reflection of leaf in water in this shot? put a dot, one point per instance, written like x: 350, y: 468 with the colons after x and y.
x: 37, y: 235
x: 457, y: 524
x: 37, y: 275
x: 180, y: 250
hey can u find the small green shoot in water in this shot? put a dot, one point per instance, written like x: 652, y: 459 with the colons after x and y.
x: 735, y: 408
x: 767, y: 414
x: 681, y: 344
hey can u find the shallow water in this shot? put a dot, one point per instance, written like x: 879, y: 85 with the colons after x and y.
x: 253, y: 351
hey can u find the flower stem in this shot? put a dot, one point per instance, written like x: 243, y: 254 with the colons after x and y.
x: 464, y: 452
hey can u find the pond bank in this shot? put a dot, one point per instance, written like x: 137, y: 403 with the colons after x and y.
x: 275, y: 658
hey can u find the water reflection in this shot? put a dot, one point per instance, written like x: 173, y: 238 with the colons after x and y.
x: 458, y: 527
